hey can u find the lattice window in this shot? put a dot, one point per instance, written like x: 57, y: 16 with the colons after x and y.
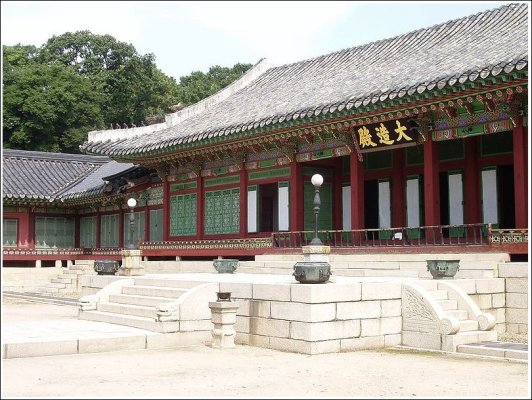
x: 54, y: 232
x: 156, y: 225
x: 183, y: 214
x: 87, y: 232
x: 222, y: 211
x: 109, y: 230
x: 10, y: 232
x: 139, y: 227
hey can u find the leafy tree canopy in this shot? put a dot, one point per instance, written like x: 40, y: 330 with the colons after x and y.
x: 77, y: 82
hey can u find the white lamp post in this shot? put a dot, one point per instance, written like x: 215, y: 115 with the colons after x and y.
x: 132, y: 203
x: 317, y: 181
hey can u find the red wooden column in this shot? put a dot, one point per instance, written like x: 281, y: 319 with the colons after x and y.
x: 200, y: 207
x: 31, y: 229
x: 243, y: 202
x: 520, y: 175
x: 398, y: 189
x: 431, y: 184
x: 98, y: 229
x: 337, y: 194
x: 296, y: 197
x: 472, y: 204
x: 166, y: 209
x: 356, y: 179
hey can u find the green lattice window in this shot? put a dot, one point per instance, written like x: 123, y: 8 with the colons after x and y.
x: 10, y: 232
x: 183, y: 214
x: 156, y: 225
x: 87, y: 232
x: 222, y: 211
x: 54, y: 232
x: 139, y: 229
x: 109, y: 230
x: 325, y: 213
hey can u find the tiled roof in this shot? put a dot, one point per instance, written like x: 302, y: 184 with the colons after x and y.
x: 454, y: 52
x: 49, y: 176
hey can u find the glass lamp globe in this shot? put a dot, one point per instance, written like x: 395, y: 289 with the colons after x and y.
x: 131, y: 202
x: 317, y: 180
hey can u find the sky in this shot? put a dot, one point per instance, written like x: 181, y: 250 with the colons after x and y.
x: 193, y: 36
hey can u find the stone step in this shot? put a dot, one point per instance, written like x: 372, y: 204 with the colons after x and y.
x: 427, y: 284
x: 128, y: 309
x: 148, y: 301
x: 439, y: 294
x: 170, y: 293
x: 60, y: 285
x: 511, y: 351
x: 460, y: 315
x: 451, y: 342
x: 129, y: 320
x: 47, y: 289
x: 448, y: 304
x: 172, y: 283
x: 467, y: 325
x: 63, y: 279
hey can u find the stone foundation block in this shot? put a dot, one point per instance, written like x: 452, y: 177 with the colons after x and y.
x: 431, y: 341
x: 498, y: 300
x: 38, y: 349
x: 362, y: 343
x: 269, y: 327
x: 252, y: 340
x: 513, y: 270
x: 242, y: 324
x: 392, y: 340
x: 359, y: 310
x: 265, y: 291
x: 517, y: 315
x: 177, y: 339
x: 381, y: 291
x: 517, y: 300
x: 325, y: 293
x: 467, y: 285
x: 238, y: 290
x: 303, y: 311
x: 317, y: 331
x: 390, y: 308
x: 112, y: 344
x: 495, y: 285
x: 516, y: 285
x: 381, y: 326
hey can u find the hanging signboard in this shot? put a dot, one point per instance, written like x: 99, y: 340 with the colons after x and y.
x: 385, y: 135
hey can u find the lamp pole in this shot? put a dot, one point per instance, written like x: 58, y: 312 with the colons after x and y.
x: 317, y: 181
x: 131, y: 203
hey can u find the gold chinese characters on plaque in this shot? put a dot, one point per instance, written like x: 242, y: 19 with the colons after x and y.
x: 395, y: 133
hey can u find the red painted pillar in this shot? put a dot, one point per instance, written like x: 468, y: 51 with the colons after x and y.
x: 398, y: 189
x: 431, y: 186
x: 98, y: 229
x: 356, y: 179
x: 166, y: 210
x: 520, y: 175
x: 296, y: 197
x: 200, y: 208
x: 337, y: 194
x: 243, y: 202
x: 472, y: 204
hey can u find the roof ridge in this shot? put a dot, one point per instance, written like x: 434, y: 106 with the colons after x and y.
x: 416, y: 31
x: 44, y: 155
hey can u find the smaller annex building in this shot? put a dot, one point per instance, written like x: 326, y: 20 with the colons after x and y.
x: 421, y: 139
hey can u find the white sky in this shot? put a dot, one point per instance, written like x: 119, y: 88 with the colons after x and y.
x: 191, y: 36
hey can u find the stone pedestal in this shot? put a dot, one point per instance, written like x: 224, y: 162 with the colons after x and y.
x: 223, y: 318
x: 131, y: 263
x: 315, y: 267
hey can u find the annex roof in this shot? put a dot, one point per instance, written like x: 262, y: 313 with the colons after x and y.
x: 44, y: 176
x: 450, y: 53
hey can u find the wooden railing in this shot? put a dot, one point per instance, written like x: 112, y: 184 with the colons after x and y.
x: 441, y: 235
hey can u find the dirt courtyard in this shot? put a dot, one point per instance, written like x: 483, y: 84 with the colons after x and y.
x: 243, y: 372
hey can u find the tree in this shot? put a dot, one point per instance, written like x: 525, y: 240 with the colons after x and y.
x: 198, y: 85
x: 48, y: 108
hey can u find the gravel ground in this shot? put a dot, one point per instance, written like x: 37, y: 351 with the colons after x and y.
x: 513, y: 337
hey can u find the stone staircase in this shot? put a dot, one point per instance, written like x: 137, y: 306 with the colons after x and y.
x: 438, y: 315
x: 157, y: 305
x: 68, y: 280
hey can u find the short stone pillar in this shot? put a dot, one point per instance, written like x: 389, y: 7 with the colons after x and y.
x: 131, y: 264
x: 315, y: 267
x: 224, y: 319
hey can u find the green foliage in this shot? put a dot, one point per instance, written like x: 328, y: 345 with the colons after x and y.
x: 197, y: 85
x: 78, y: 82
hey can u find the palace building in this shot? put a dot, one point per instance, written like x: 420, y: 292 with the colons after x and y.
x: 422, y: 140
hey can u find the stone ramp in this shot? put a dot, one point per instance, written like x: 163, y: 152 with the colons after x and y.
x: 503, y: 350
x: 73, y: 336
